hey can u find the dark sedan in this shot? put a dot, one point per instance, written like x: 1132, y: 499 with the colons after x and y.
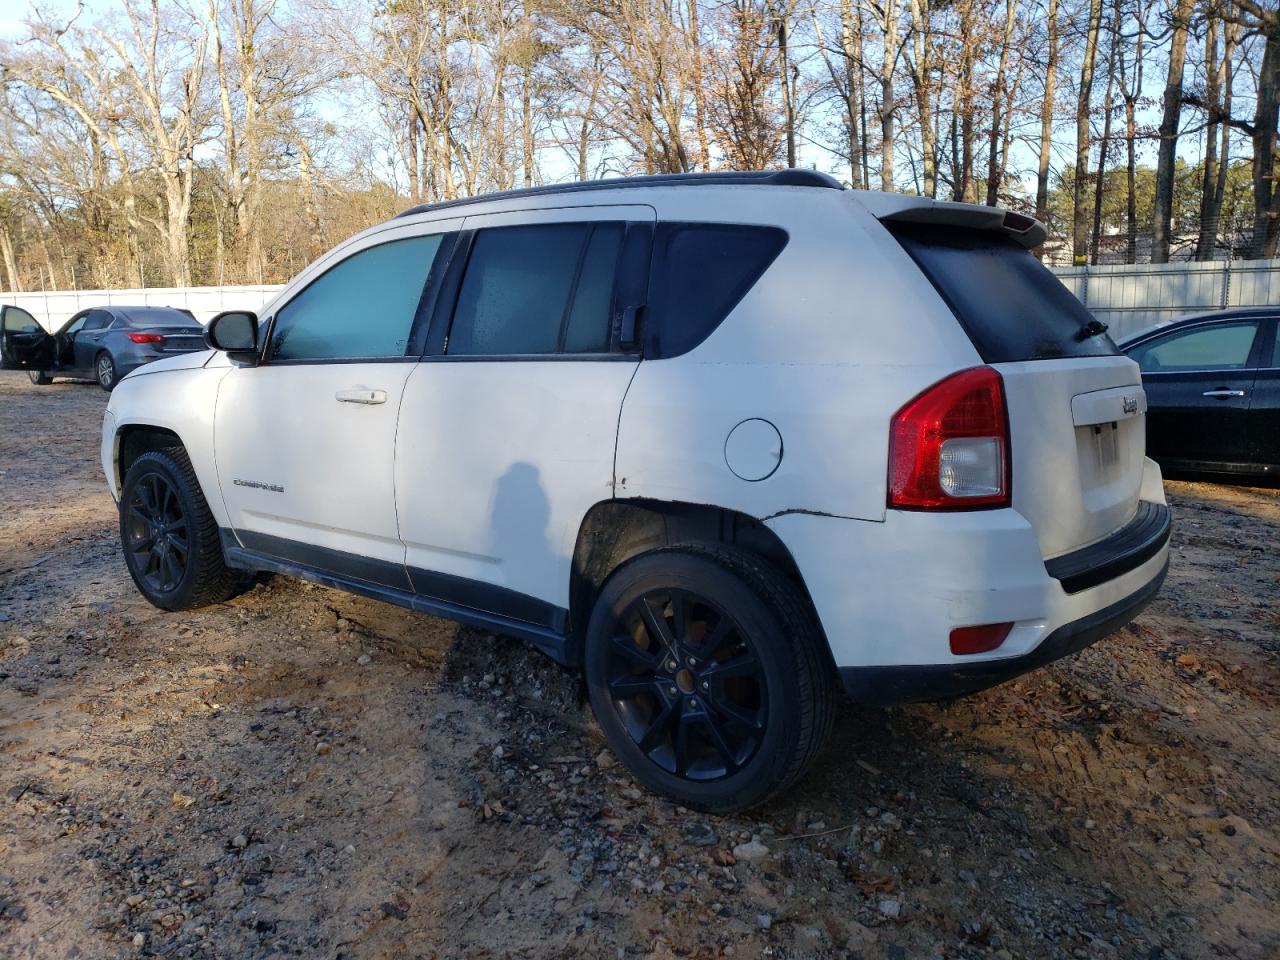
x: 1213, y: 391
x: 102, y: 343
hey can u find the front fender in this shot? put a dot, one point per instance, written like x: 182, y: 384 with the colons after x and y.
x: 181, y: 401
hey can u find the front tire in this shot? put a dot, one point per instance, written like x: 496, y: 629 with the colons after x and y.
x: 39, y: 378
x: 705, y: 669
x: 169, y: 536
x: 105, y: 368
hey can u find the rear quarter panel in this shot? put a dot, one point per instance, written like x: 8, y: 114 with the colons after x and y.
x: 840, y: 331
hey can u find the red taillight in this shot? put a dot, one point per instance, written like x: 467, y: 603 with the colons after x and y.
x: 146, y: 338
x: 966, y: 640
x: 949, y: 447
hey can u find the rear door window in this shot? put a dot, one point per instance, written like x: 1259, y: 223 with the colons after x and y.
x: 1008, y: 302
x: 1223, y: 346
x: 701, y: 271
x: 537, y: 289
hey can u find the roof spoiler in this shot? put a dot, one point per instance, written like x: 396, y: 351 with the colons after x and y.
x: 901, y: 208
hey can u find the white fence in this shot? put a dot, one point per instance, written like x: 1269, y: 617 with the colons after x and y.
x: 55, y: 308
x: 1127, y: 298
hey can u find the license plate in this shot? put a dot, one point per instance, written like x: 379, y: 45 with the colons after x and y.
x: 1106, y: 437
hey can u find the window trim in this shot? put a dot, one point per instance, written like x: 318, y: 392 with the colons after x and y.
x: 1252, y: 362
x: 427, y: 298
x: 451, y: 288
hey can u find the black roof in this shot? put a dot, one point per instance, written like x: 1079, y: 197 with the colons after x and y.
x: 763, y: 178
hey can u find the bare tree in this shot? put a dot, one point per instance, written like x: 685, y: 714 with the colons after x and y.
x: 1080, y: 215
x: 1046, y: 111
x: 1169, y: 131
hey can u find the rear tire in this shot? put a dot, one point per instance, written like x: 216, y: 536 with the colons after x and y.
x: 105, y: 370
x: 39, y: 378
x: 720, y: 695
x: 169, y: 537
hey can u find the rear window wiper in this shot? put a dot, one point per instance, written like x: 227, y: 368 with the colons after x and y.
x: 1094, y: 328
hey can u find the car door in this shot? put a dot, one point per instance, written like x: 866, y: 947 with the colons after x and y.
x: 1198, y: 380
x: 305, y: 441
x: 24, y: 344
x: 65, y: 343
x: 509, y: 425
x: 88, y: 341
x: 1264, y: 402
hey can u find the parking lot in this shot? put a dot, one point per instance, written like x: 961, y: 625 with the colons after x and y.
x: 303, y: 772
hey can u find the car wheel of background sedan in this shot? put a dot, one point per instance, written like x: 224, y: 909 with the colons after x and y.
x: 705, y: 671
x: 106, y: 369
x: 169, y: 536
x: 39, y: 378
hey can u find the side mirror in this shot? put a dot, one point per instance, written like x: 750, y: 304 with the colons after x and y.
x: 236, y: 333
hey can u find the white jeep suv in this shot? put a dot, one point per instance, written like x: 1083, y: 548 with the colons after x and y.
x: 725, y: 442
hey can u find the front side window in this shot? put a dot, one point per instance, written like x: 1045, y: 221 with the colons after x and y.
x: 1224, y: 346
x: 364, y: 307
x: 17, y: 320
x: 538, y: 289
x: 77, y: 324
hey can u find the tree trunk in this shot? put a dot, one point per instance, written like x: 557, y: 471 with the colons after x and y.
x: 1207, y: 240
x: 887, y: 105
x: 1099, y: 183
x: 10, y: 261
x: 1080, y: 214
x: 527, y: 146
x: 1230, y: 32
x: 1266, y: 198
x: 699, y: 87
x: 921, y: 78
x: 1046, y: 115
x: 999, y: 96
x: 1163, y: 208
x: 851, y: 48
x: 784, y: 67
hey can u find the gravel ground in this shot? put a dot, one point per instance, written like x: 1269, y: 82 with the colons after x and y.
x: 304, y: 773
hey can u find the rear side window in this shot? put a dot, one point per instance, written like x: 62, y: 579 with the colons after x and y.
x: 363, y: 307
x: 700, y: 273
x: 1008, y: 302
x: 97, y: 320
x: 538, y: 289
x: 1224, y: 346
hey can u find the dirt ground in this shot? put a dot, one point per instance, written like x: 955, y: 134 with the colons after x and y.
x: 304, y: 773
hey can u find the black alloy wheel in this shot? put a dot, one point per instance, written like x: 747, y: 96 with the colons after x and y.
x: 170, y: 538
x: 156, y: 532
x: 687, y: 684
x: 709, y: 675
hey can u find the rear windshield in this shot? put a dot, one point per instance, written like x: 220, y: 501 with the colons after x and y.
x: 1011, y: 306
x: 158, y: 317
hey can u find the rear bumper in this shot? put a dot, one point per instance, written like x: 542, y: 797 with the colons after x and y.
x: 888, y: 593
x: 885, y: 686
